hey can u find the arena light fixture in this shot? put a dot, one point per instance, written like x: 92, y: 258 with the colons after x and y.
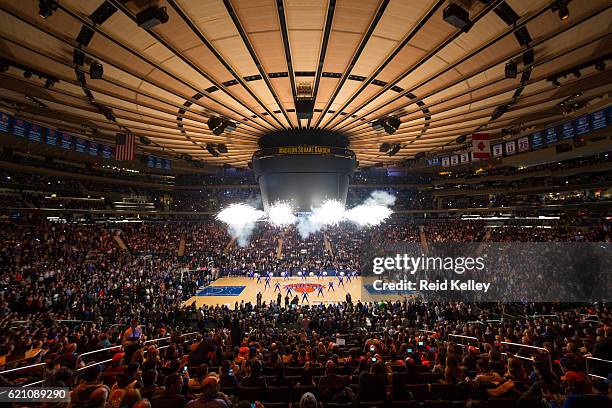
x: 46, y: 8
x: 511, y: 69
x: 96, y: 70
x: 560, y: 7
x: 457, y: 16
x: 151, y: 17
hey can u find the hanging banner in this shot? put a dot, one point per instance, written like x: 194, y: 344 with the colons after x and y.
x: 599, y: 120
x: 93, y: 148
x: 498, y: 150
x: 510, y: 148
x: 480, y: 146
x: 536, y: 140
x: 567, y: 130
x: 5, y: 122
x: 582, y: 125
x: 523, y: 144
x: 52, y: 137
x: 80, y: 145
x: 107, y: 152
x: 37, y: 133
x: 464, y: 157
x: 551, y: 135
x: 20, y: 127
x: 66, y: 141
x: 454, y: 160
x: 445, y: 161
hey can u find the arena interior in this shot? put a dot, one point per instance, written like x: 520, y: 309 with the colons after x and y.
x: 307, y: 204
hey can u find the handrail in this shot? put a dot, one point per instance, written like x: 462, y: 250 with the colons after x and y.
x: 44, y: 372
x: 530, y: 347
x: 465, y: 337
x: 99, y: 350
x: 159, y: 339
x: 22, y: 368
x: 588, y: 368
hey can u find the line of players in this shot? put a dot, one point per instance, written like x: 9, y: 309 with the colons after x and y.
x: 342, y: 276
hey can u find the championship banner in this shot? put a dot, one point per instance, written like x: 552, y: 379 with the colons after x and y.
x: 480, y: 146
x: 20, y: 127
x: 93, y: 148
x: 445, y: 161
x: 464, y: 157
x: 454, y: 160
x: 498, y: 150
x: 523, y: 144
x: 510, y: 147
x: 5, y: 122
x: 36, y: 133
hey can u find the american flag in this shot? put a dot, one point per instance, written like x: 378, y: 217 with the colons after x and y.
x: 125, y: 146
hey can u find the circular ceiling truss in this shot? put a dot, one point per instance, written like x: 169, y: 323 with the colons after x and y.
x: 251, y: 62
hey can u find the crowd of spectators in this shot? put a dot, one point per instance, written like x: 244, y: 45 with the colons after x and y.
x: 68, y: 289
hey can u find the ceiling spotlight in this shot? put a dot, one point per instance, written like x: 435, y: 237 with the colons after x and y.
x: 396, y: 148
x: 46, y: 8
x: 577, y: 73
x: 384, y: 147
x: 211, y: 150
x: 222, y: 148
x: 392, y: 123
x: 457, y: 16
x: 27, y: 74
x: 600, y: 66
x: 49, y: 83
x: 377, y: 125
x: 151, y: 17
x: 214, y: 122
x: 511, y: 70
x: 560, y: 6
x: 96, y: 70
x: 555, y: 82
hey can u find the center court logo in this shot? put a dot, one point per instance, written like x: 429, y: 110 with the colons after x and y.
x: 303, y: 287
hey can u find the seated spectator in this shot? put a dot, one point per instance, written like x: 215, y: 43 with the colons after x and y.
x: 81, y: 396
x: 373, y: 385
x: 280, y: 380
x: 210, y: 397
x: 255, y: 377
x: 149, y: 384
x: 171, y: 396
x: 330, y: 385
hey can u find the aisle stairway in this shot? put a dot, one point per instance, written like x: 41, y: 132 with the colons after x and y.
x: 423, y: 240
x: 279, y: 249
x: 229, y: 246
x: 119, y: 241
x: 182, y: 245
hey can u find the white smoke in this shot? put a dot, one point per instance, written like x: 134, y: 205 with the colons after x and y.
x: 281, y: 214
x: 331, y: 212
x: 241, y: 220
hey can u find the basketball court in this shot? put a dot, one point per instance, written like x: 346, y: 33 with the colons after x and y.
x: 229, y: 290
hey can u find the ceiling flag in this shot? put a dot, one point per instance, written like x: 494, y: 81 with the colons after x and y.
x: 480, y: 146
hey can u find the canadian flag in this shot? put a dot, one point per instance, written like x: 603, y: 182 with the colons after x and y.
x: 480, y: 146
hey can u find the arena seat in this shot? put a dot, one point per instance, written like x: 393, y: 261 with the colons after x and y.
x: 278, y: 394
x: 252, y: 393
